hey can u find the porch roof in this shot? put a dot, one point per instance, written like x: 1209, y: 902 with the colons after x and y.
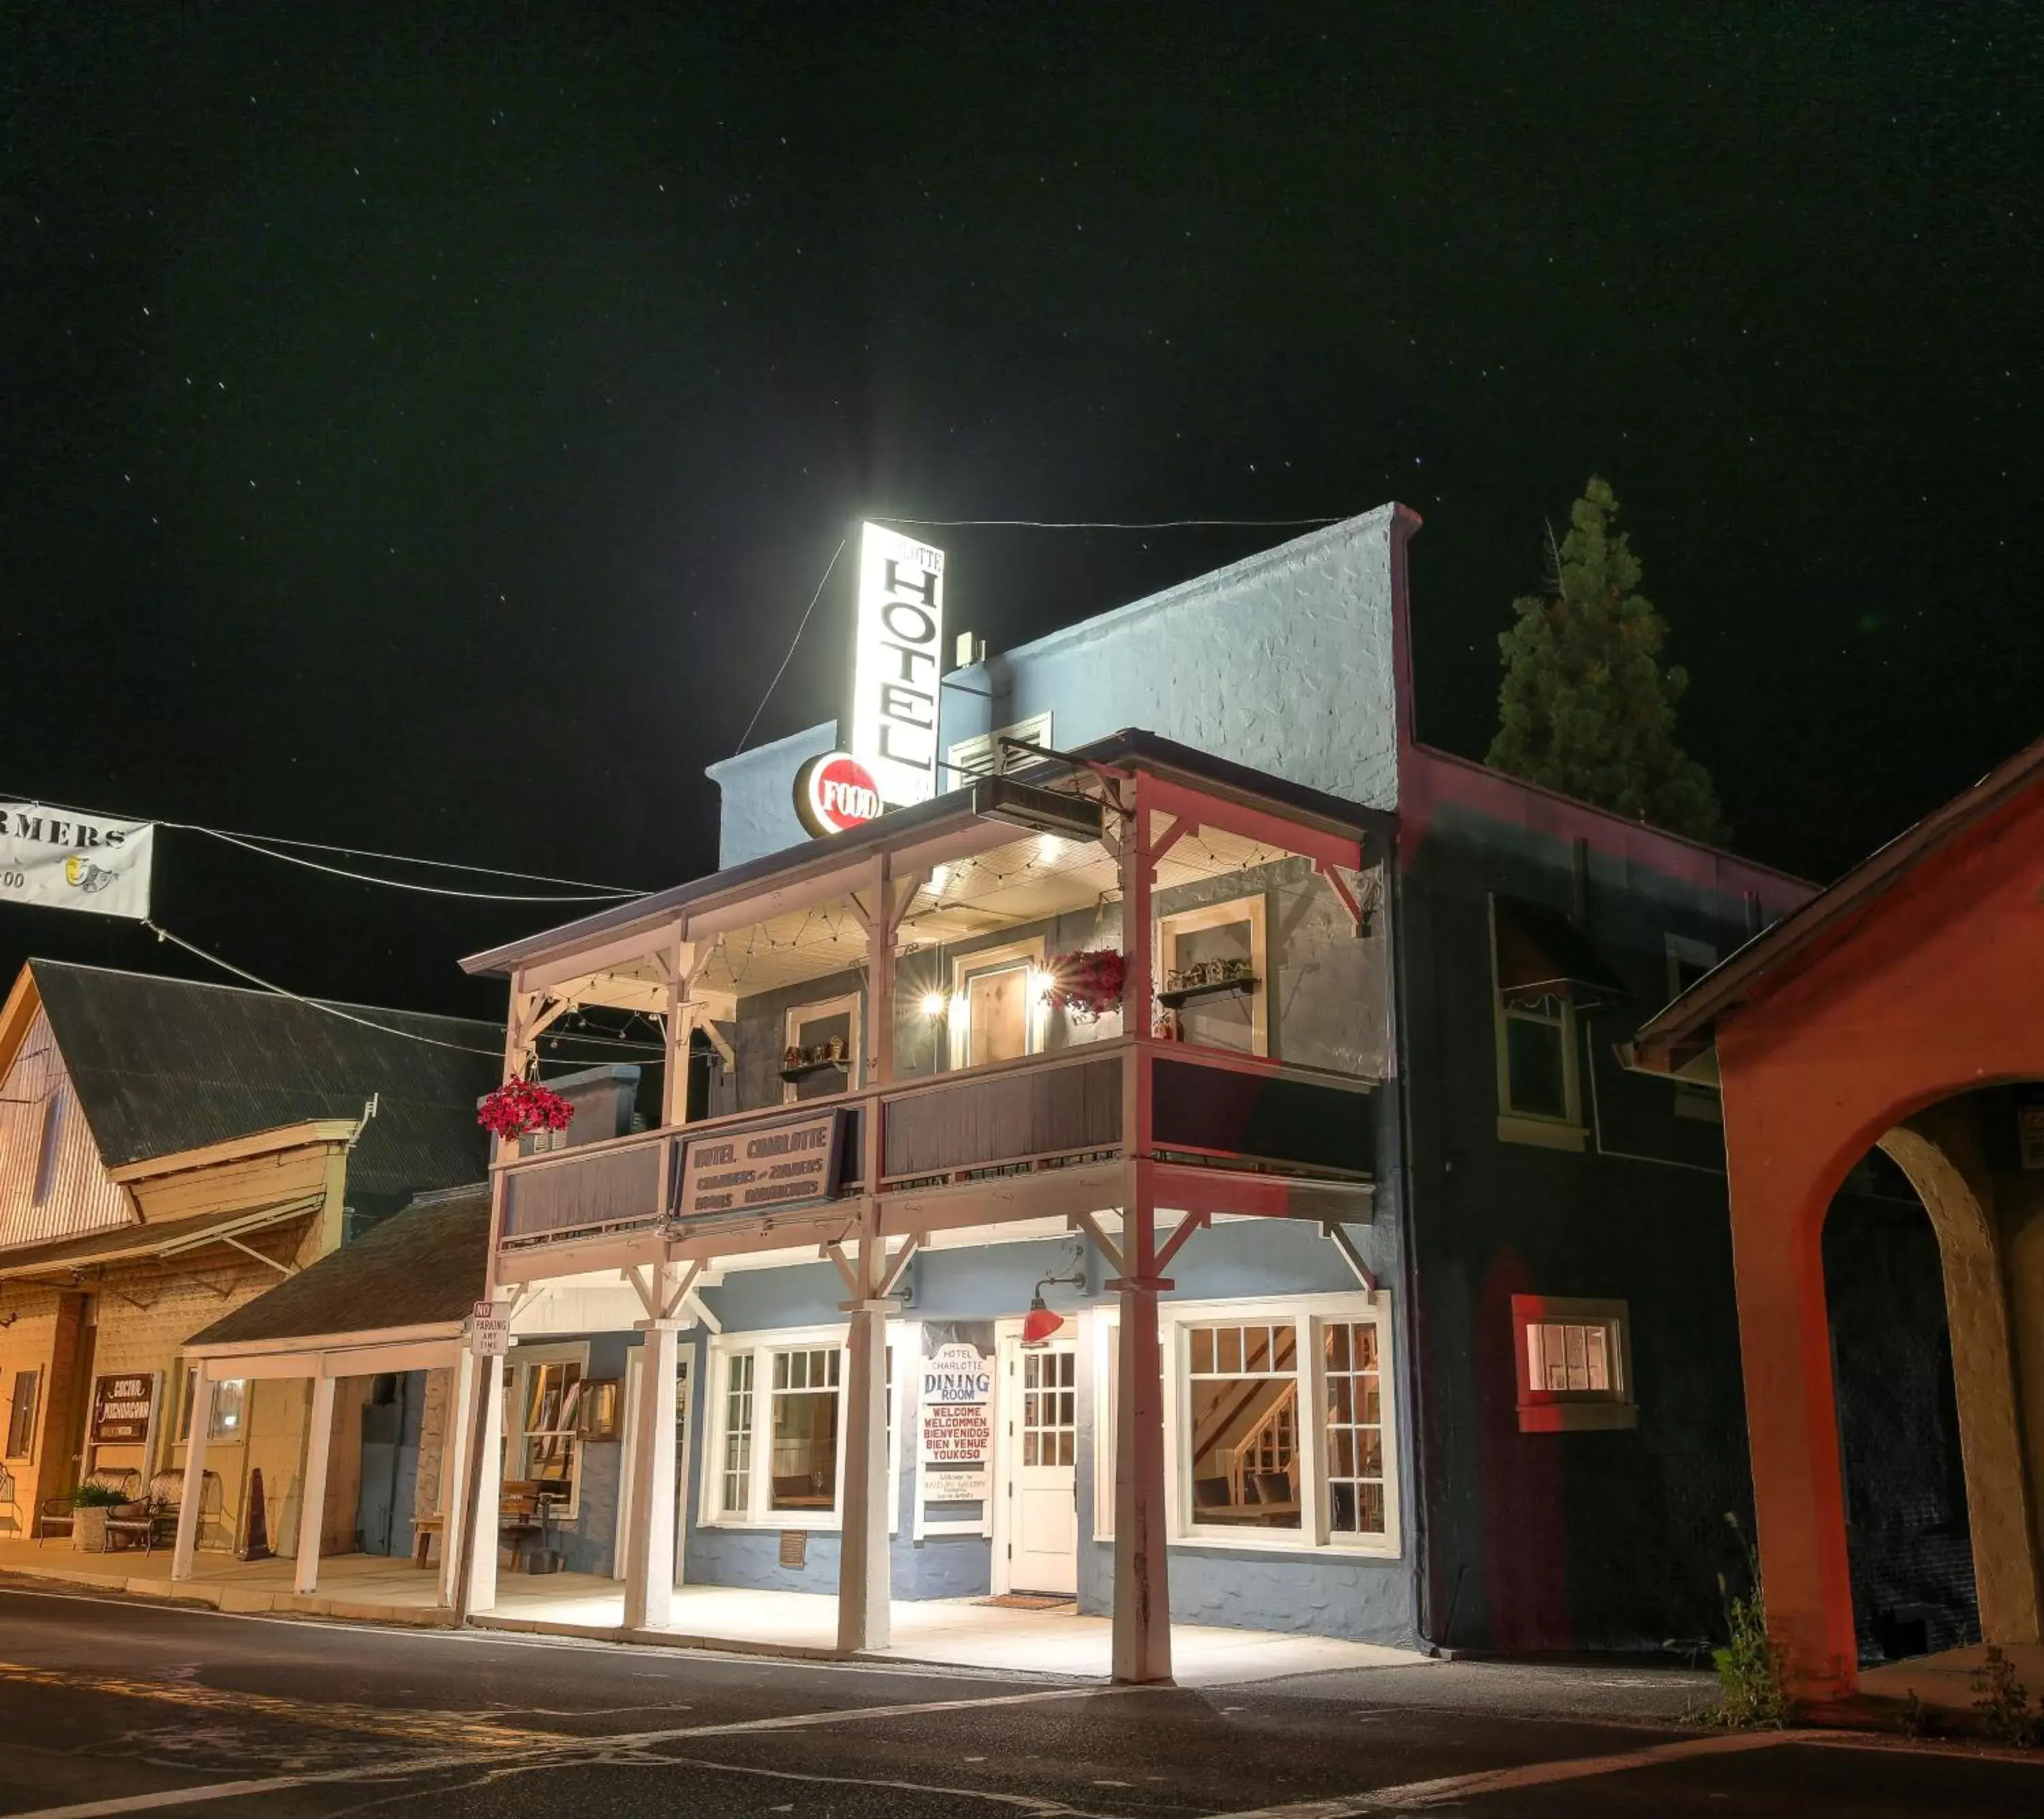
x: 423, y: 1267
x: 949, y: 813
x: 131, y: 1243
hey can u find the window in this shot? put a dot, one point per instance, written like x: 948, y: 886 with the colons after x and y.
x: 546, y: 1404
x: 1050, y: 1408
x: 1243, y: 1425
x: 737, y: 1498
x: 1220, y: 937
x: 997, y: 1013
x: 1574, y: 1367
x: 230, y: 1399
x: 50, y: 1144
x: 1278, y: 1423
x: 985, y: 756
x: 813, y: 1029
x: 21, y: 1415
x: 1537, y: 1096
x: 776, y: 1439
x: 805, y: 1421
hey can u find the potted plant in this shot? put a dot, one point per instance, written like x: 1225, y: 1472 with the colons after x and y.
x: 90, y: 1504
x: 1087, y: 983
x: 520, y: 1106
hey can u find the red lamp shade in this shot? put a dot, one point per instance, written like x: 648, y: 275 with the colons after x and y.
x: 1039, y: 1323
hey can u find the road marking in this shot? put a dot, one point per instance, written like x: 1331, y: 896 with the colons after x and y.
x: 1423, y: 1794
x: 531, y: 1748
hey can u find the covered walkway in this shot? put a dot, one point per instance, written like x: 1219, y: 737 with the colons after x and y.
x: 963, y: 1633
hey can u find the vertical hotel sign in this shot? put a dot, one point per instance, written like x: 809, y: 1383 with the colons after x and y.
x: 898, y: 659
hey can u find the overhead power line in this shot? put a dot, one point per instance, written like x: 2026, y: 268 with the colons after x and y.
x: 829, y: 569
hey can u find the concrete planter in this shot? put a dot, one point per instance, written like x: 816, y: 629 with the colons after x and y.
x: 88, y: 1530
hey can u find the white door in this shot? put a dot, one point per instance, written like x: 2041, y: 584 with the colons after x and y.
x: 1042, y: 1439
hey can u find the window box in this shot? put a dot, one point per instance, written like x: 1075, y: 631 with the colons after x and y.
x: 1574, y: 1361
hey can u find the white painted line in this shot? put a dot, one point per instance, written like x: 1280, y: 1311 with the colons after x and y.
x: 1455, y: 1787
x: 169, y: 1796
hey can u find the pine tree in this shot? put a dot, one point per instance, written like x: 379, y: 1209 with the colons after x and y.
x: 1586, y: 707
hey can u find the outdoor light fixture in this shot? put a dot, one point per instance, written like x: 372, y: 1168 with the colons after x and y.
x: 1042, y: 1322
x: 935, y: 1005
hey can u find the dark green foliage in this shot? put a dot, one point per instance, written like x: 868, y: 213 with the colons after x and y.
x: 1586, y: 707
x: 2003, y: 1704
x: 1752, y: 1690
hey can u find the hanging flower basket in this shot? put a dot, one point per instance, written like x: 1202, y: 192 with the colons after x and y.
x: 1086, y: 984
x: 519, y: 1106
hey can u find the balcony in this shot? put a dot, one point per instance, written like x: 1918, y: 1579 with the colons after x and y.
x: 883, y: 1013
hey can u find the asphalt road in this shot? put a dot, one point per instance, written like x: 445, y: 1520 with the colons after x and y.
x: 110, y: 1707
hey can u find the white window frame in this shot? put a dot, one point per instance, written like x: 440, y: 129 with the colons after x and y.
x: 1309, y: 1314
x: 1692, y: 1098
x: 1254, y: 909
x: 1513, y: 1125
x: 798, y: 1014
x: 1542, y: 1410
x: 762, y: 1345
x: 983, y: 754
x: 522, y: 1359
x: 958, y: 1034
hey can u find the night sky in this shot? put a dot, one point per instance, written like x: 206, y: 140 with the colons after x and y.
x: 425, y: 426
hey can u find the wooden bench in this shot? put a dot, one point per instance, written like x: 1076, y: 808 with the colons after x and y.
x: 518, y: 1517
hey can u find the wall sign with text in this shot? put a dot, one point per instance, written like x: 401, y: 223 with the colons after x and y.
x: 63, y: 860
x: 834, y: 791
x: 956, y: 1433
x: 897, y: 659
x: 787, y: 1164
x: 121, y: 1406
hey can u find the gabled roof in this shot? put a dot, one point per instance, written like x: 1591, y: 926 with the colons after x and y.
x: 164, y: 1066
x: 423, y: 1267
x: 1685, y: 1027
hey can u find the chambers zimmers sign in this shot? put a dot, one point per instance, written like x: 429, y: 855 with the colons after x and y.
x: 63, y: 860
x: 897, y: 660
x: 761, y: 1170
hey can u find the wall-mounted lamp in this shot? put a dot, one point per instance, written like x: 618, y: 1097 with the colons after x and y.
x: 1042, y: 1321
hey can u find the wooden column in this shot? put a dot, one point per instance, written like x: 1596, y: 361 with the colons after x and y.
x: 312, y: 1485
x: 649, y: 1523
x: 865, y: 1585
x: 454, y: 1472
x: 489, y: 1460
x: 1142, y: 1579
x: 195, y: 1490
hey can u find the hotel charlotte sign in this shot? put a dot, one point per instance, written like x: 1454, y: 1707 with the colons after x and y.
x: 759, y: 1171
x: 897, y: 659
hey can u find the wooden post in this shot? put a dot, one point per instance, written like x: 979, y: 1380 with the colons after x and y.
x: 486, y: 1473
x: 311, y: 1486
x: 1142, y: 1579
x: 455, y: 1453
x: 649, y: 1528
x: 195, y: 1490
x: 865, y: 1584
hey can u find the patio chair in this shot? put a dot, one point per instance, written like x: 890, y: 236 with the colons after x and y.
x: 10, y: 1500
x: 130, y: 1524
x: 55, y: 1516
x: 166, y: 1492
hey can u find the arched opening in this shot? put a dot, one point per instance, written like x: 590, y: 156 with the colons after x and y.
x: 1908, y: 1528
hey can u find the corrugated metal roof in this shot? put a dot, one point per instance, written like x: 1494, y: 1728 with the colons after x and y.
x: 162, y: 1066
x: 422, y: 1267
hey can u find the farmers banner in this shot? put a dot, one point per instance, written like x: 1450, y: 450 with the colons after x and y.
x: 65, y: 860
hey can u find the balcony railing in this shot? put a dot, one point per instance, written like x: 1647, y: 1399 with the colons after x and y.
x: 1221, y: 1109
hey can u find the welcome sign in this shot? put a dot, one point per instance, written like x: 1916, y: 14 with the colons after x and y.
x: 60, y: 859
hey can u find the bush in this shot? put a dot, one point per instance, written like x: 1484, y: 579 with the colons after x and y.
x: 2003, y: 1703
x: 98, y: 1497
x: 1750, y: 1677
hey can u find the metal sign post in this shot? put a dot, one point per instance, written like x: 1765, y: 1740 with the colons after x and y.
x: 488, y: 1339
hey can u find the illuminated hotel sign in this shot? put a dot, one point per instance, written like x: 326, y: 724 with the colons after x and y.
x: 898, y: 658
x: 833, y: 792
x: 762, y: 1170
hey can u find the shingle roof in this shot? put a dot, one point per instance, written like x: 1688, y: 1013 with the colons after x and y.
x: 162, y: 1066
x: 422, y: 1267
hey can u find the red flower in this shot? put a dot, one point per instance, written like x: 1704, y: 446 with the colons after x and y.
x: 1087, y: 983
x: 519, y: 1106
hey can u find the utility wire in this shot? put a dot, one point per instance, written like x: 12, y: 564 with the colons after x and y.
x: 830, y: 569
x: 163, y: 933
x: 270, y: 840
x: 1092, y: 525
x: 405, y: 884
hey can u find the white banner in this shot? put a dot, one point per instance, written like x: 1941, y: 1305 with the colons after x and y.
x: 63, y: 860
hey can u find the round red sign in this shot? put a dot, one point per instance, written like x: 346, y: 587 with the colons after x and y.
x: 833, y: 792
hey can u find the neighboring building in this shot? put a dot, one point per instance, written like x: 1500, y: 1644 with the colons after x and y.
x: 1894, y: 1352
x: 1440, y: 1297
x: 169, y: 1151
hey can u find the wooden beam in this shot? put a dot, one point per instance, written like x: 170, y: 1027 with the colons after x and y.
x: 1191, y: 1223
x: 1338, y: 1236
x: 1105, y: 1244
x: 898, y: 1267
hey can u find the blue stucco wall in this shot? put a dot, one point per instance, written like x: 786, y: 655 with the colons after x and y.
x: 1283, y: 662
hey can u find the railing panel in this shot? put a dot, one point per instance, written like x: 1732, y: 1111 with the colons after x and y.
x: 1010, y: 1117
x: 1262, y: 1117
x: 611, y: 1187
